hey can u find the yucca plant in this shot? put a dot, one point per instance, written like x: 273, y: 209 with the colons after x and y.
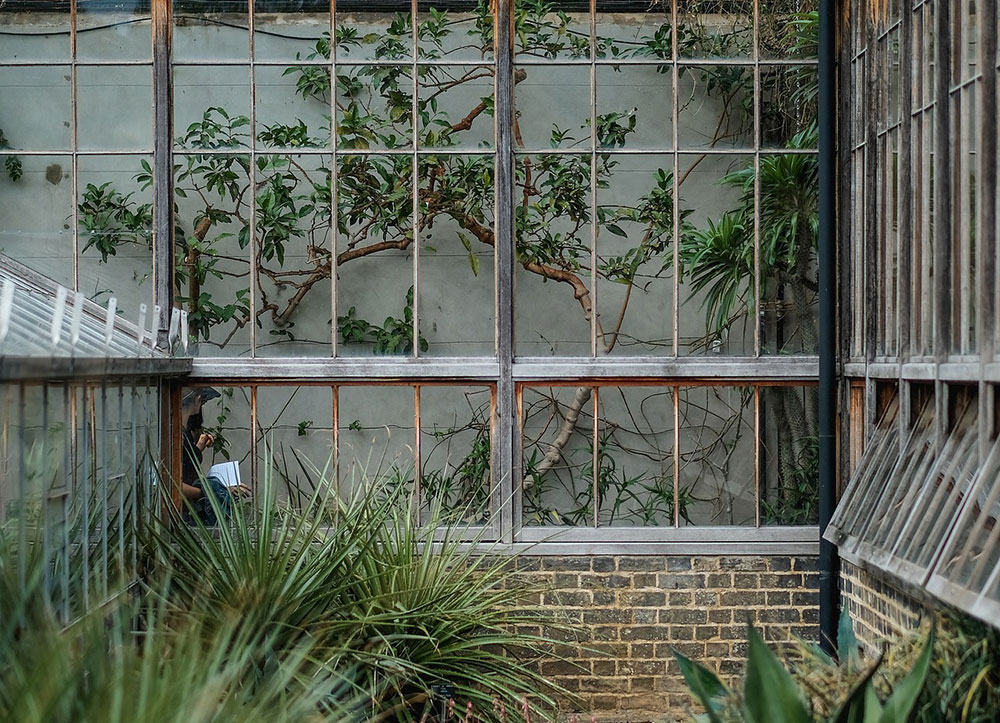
x: 132, y: 661
x: 404, y: 604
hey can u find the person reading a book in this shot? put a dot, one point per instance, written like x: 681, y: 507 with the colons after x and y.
x: 195, y: 486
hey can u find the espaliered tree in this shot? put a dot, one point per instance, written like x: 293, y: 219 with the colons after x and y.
x: 292, y: 253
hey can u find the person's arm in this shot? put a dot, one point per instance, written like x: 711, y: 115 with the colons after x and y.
x: 191, y: 493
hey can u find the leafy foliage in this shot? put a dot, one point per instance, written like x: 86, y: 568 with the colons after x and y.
x: 771, y: 694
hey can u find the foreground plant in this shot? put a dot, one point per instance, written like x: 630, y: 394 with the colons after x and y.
x: 130, y: 662
x: 404, y: 606
x: 771, y: 695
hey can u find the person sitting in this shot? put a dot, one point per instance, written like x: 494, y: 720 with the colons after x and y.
x: 196, y: 487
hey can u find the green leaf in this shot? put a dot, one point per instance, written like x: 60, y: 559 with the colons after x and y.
x: 474, y: 263
x: 704, y: 685
x: 847, y: 643
x: 859, y: 702
x: 770, y: 693
x: 904, y: 696
x: 616, y: 230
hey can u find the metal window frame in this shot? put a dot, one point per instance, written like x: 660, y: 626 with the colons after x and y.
x: 504, y: 372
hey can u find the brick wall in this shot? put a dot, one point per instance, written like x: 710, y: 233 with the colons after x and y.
x: 632, y: 610
x: 879, y: 605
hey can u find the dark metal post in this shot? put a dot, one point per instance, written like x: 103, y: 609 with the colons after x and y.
x: 829, y: 599
x: 163, y: 171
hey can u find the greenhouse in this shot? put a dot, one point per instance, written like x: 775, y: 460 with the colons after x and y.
x: 499, y: 360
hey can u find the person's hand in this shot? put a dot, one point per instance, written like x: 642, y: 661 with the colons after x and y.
x: 205, y: 440
x: 239, y: 490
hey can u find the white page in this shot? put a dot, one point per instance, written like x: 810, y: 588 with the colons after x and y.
x: 227, y: 472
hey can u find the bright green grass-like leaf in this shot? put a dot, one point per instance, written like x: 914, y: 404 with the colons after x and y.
x: 770, y: 693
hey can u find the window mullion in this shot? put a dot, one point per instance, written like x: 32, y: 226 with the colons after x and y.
x: 163, y: 175
x: 506, y: 440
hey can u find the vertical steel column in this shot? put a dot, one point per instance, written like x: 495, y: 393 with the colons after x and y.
x: 829, y: 601
x: 163, y: 165
x: 507, y: 423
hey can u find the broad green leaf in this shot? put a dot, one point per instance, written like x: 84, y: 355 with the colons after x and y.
x: 847, y: 643
x: 904, y: 696
x: 704, y: 684
x: 770, y: 693
x: 859, y: 701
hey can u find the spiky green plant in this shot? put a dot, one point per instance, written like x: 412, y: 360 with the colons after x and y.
x: 403, y: 604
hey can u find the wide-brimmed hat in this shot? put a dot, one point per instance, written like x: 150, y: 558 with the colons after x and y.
x: 204, y: 393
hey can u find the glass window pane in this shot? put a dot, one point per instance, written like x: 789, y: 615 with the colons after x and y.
x: 289, y: 114
x: 47, y: 91
x: 715, y: 107
x: 635, y: 456
x: 635, y: 271
x: 212, y: 107
x: 374, y: 35
x: 720, y: 29
x: 116, y: 232
x: 553, y: 304
x: 212, y: 233
x: 377, y: 437
x: 36, y: 36
x: 557, y: 428
x: 461, y: 30
x: 200, y: 36
x: 716, y: 294
x: 286, y: 31
x: 550, y: 31
x: 295, y: 440
x: 113, y: 31
x: 115, y: 108
x: 375, y: 256
x: 456, y: 455
x: 36, y: 212
x: 457, y: 297
x: 375, y: 107
x: 552, y: 107
x: 789, y: 29
x: 293, y: 255
x: 455, y: 107
x: 789, y: 456
x: 717, y: 476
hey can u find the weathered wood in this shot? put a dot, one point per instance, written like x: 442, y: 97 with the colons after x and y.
x: 163, y: 167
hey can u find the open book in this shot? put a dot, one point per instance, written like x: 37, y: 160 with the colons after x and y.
x: 227, y: 472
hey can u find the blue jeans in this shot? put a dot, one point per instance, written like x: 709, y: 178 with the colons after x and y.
x: 203, y: 507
